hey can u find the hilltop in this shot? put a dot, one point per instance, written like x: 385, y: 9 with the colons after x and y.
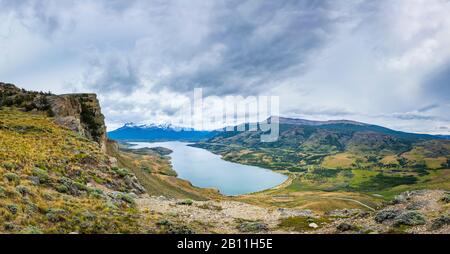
x: 341, y: 155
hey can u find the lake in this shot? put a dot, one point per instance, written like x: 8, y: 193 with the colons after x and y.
x: 207, y: 170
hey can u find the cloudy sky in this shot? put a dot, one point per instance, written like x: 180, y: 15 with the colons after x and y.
x: 385, y: 62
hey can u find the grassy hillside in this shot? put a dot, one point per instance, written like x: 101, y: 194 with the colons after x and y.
x: 349, y: 157
x: 53, y: 180
x: 155, y: 173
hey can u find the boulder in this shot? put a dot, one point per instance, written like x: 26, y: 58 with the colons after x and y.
x: 343, y: 227
x: 313, y: 225
x: 400, y: 199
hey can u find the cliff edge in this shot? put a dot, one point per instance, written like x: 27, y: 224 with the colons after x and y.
x: 78, y: 112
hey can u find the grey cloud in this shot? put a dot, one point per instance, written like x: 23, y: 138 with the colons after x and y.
x: 236, y: 48
x: 35, y: 15
x: 328, y: 58
x: 324, y: 112
x: 413, y: 117
x: 428, y: 108
x: 437, y: 84
x: 264, y: 42
x: 114, y: 73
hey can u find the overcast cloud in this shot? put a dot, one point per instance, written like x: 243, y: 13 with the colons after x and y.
x: 383, y: 62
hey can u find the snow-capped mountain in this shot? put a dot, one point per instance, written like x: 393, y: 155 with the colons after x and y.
x: 158, y: 132
x: 164, y: 126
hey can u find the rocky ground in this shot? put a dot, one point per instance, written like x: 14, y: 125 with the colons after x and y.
x: 425, y: 211
x: 218, y: 216
x: 415, y: 212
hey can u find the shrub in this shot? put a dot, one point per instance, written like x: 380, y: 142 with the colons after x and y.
x: 384, y: 215
x: 22, y: 190
x: 185, y: 202
x: 31, y: 230
x: 171, y: 228
x: 96, y: 192
x: 47, y: 196
x: 208, y: 206
x: 31, y: 208
x: 9, y: 226
x: 12, y: 177
x: 80, y: 186
x: 62, y: 188
x: 122, y: 172
x: 446, y: 198
x: 163, y: 222
x: 440, y: 222
x: 127, y: 198
x: 89, y: 215
x: 252, y: 226
x: 12, y: 208
x: 180, y: 230
x: 55, y: 215
x: 410, y: 218
x: 146, y: 169
x: 42, y: 175
x: 9, y: 166
x: 2, y: 192
x: 65, y: 181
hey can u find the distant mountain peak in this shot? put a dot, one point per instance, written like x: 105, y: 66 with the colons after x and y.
x: 153, y: 126
x: 130, y: 124
x: 157, y: 132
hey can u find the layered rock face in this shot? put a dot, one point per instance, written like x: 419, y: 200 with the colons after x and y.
x: 78, y: 112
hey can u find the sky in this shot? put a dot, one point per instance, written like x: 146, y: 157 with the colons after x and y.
x: 382, y: 62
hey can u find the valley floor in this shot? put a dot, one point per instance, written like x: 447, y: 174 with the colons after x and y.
x: 178, y: 207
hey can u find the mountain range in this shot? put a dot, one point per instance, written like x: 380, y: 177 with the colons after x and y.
x: 168, y: 132
x: 333, y: 144
x: 161, y: 132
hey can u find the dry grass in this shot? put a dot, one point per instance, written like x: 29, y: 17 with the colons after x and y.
x: 341, y: 160
x: 47, y: 174
x: 156, y: 175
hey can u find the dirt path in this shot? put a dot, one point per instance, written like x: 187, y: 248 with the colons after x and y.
x: 355, y: 201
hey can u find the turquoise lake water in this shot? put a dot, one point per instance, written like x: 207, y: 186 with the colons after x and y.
x: 207, y: 170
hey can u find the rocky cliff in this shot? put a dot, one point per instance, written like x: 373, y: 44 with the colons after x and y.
x: 78, y: 112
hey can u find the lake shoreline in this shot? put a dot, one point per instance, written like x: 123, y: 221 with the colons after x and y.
x: 206, y: 170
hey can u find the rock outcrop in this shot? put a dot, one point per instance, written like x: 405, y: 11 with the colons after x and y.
x: 78, y: 112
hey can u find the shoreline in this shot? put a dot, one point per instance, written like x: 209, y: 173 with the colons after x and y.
x: 286, y: 182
